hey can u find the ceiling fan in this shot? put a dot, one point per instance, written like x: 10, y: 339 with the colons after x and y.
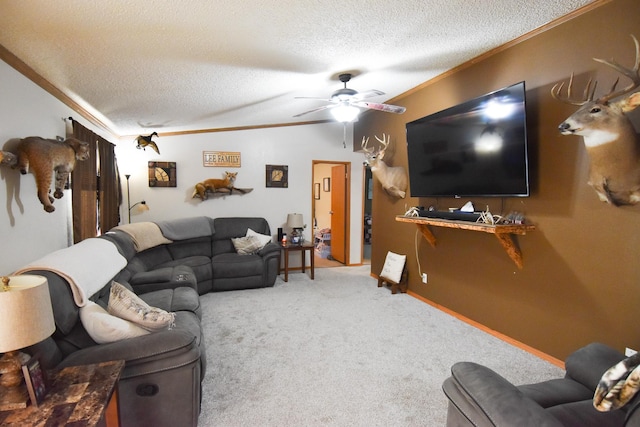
x: 345, y: 102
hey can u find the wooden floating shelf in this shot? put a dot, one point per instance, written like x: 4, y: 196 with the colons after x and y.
x: 504, y: 233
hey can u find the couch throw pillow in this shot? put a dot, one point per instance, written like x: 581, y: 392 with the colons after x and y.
x: 618, y: 385
x: 263, y: 238
x: 104, y: 328
x: 127, y: 305
x: 247, y: 245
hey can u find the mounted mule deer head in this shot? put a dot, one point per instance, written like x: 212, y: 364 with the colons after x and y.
x: 392, y: 178
x: 611, y: 141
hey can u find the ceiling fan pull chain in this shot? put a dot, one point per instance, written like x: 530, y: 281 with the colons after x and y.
x: 344, y: 136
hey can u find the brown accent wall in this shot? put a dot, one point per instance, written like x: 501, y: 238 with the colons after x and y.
x: 581, y: 277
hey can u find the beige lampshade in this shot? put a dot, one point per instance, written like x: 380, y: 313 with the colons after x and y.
x: 294, y: 220
x: 27, y: 316
x: 140, y: 206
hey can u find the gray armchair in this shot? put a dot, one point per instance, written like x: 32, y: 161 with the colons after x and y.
x: 232, y: 271
x: 480, y: 397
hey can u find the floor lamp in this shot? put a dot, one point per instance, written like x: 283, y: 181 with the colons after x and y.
x: 143, y: 203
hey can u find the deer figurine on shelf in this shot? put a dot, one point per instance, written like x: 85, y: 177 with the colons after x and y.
x: 392, y: 178
x: 611, y: 141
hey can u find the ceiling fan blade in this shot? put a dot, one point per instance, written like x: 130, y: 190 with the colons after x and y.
x: 313, y: 97
x: 324, y: 107
x: 388, y: 108
x: 367, y: 94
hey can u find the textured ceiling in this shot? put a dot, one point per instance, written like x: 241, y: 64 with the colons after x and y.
x: 189, y: 65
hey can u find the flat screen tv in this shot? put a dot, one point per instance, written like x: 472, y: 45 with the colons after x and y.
x: 477, y: 148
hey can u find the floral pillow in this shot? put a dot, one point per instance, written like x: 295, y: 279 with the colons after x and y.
x: 247, y: 245
x: 127, y: 305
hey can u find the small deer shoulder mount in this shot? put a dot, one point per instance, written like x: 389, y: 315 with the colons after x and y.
x: 611, y: 141
x: 392, y: 178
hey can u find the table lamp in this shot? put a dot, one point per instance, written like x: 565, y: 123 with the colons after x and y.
x: 296, y: 224
x: 27, y: 318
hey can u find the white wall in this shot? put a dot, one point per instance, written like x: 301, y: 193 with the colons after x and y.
x: 27, y: 231
x: 294, y: 146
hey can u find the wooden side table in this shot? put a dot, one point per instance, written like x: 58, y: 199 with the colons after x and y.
x: 301, y: 248
x: 85, y: 395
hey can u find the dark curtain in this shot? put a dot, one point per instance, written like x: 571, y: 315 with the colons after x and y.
x: 109, y: 196
x: 95, y: 187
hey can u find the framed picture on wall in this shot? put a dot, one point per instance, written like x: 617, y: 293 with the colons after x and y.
x: 277, y: 176
x: 316, y: 191
x: 326, y: 184
x: 162, y: 174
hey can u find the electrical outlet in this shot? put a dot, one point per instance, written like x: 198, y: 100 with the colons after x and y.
x: 424, y: 277
x: 629, y: 352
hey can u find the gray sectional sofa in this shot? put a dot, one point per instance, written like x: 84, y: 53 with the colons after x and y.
x: 212, y: 256
x: 161, y: 382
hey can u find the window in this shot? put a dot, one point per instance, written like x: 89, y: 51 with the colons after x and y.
x: 95, y: 187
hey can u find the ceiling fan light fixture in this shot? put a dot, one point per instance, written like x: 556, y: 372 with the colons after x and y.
x: 345, y: 103
x: 345, y: 113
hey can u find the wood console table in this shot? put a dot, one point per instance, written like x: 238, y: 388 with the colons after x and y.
x: 504, y: 233
x: 81, y: 396
x: 302, y: 248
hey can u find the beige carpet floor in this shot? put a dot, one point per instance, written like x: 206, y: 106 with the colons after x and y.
x: 339, y: 351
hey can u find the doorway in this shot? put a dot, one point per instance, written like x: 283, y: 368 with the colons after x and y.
x: 367, y: 219
x: 330, y: 210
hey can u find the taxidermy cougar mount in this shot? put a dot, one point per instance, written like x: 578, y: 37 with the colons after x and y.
x: 8, y: 158
x: 213, y: 185
x: 42, y: 157
x: 611, y: 141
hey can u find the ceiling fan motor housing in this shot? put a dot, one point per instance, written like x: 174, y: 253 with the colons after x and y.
x: 345, y: 77
x: 343, y: 94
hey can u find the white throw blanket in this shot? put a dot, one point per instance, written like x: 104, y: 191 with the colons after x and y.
x: 145, y: 235
x: 87, y: 266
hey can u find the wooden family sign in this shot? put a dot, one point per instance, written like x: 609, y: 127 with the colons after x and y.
x: 221, y: 159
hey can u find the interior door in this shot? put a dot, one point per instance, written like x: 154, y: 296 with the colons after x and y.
x: 338, y: 213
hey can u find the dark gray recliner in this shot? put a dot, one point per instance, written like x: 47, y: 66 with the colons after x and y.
x: 232, y: 271
x: 480, y: 397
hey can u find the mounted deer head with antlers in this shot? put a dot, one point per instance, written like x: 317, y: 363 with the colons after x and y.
x: 611, y: 141
x: 392, y: 178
